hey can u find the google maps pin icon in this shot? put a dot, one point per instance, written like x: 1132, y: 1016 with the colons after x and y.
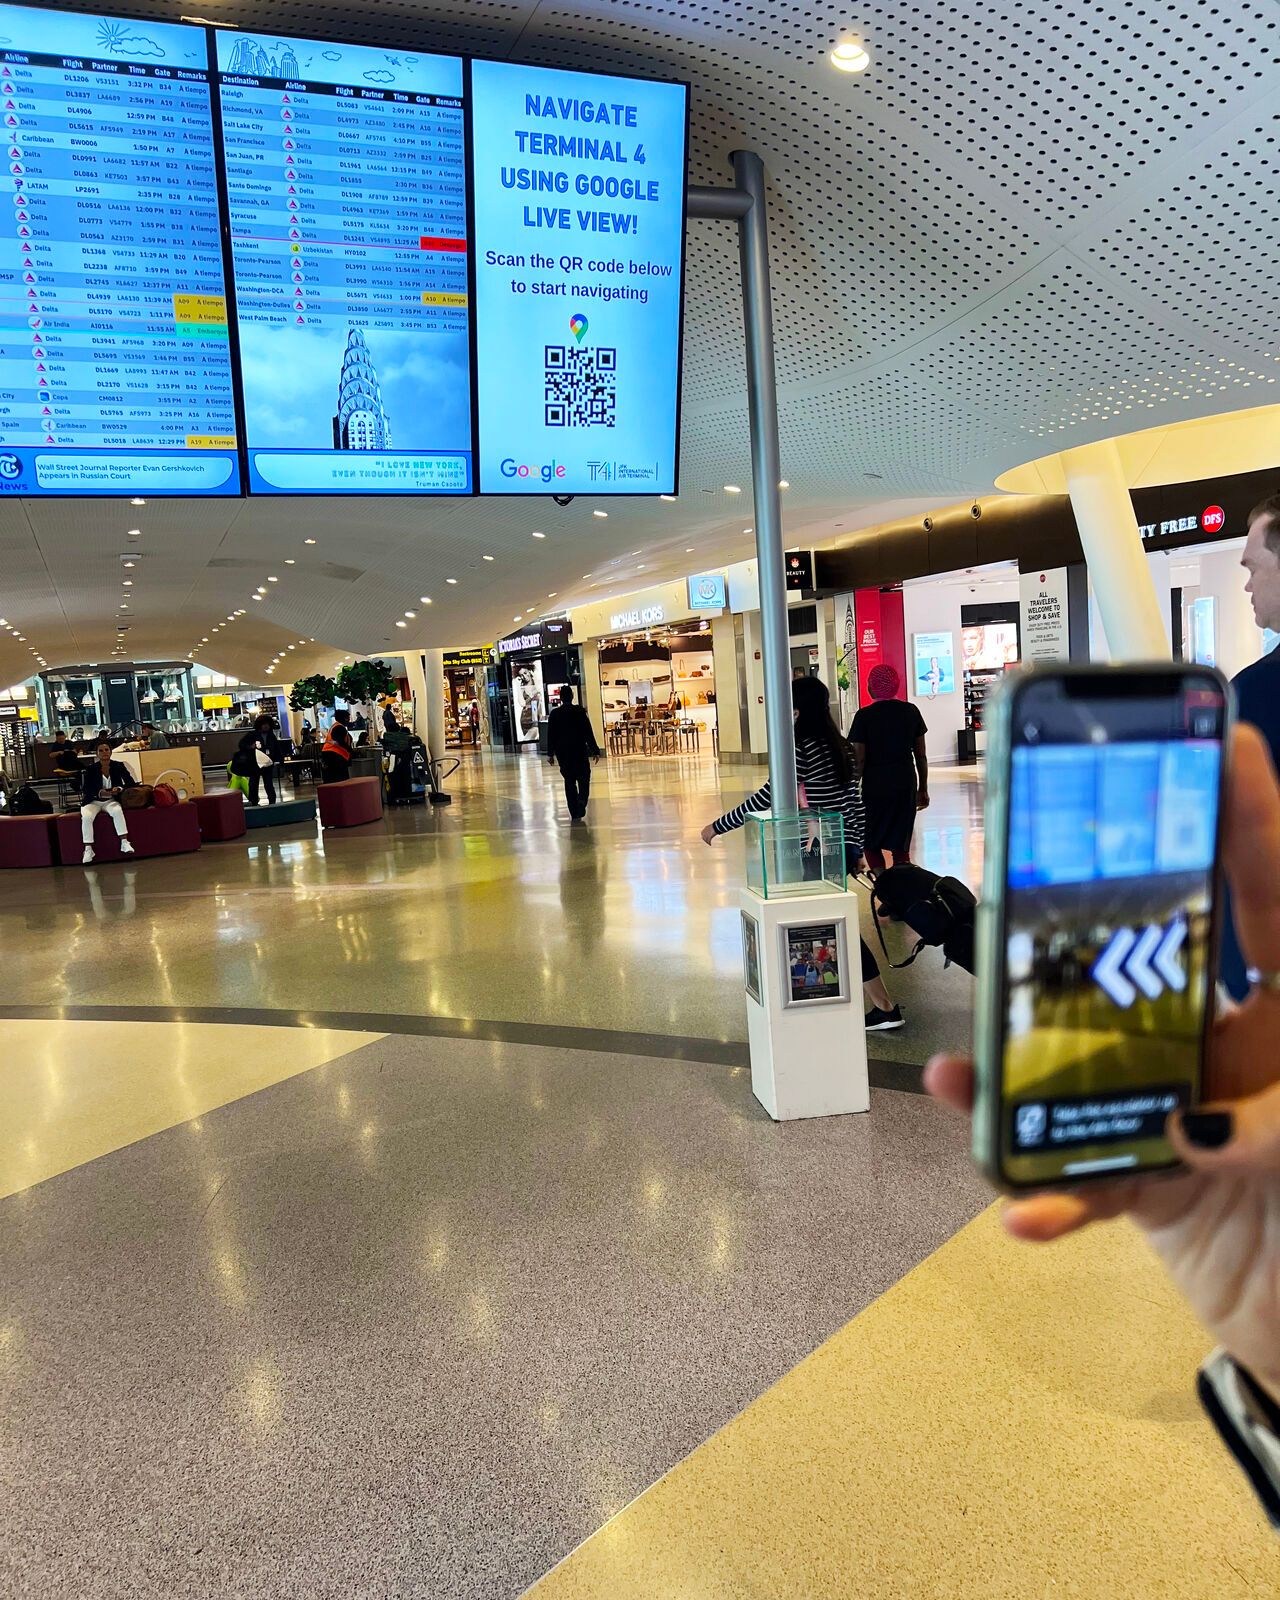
x: 578, y: 326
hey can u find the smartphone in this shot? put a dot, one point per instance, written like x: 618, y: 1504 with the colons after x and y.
x: 1097, y: 931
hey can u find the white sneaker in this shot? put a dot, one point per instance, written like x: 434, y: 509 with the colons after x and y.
x: 87, y: 857
x: 126, y: 849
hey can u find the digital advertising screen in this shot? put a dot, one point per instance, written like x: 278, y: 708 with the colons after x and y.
x: 115, y: 357
x: 579, y: 186
x: 935, y: 667
x: 347, y: 194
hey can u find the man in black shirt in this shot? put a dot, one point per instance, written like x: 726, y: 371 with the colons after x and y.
x: 1257, y: 687
x: 571, y: 742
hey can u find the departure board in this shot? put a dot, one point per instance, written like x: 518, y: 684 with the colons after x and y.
x: 115, y: 364
x: 347, y: 194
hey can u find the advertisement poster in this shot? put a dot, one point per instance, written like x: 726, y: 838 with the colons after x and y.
x: 579, y: 241
x: 935, y: 664
x: 751, y: 956
x: 846, y: 662
x: 815, y: 960
x: 1042, y: 611
x: 527, y: 701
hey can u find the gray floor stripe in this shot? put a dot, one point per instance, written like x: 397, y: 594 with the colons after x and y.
x: 604, y: 1041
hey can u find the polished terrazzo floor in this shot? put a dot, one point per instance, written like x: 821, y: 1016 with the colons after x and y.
x: 382, y: 1213
x: 490, y: 909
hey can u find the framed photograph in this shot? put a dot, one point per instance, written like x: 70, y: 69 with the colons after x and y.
x: 815, y: 962
x: 751, y: 957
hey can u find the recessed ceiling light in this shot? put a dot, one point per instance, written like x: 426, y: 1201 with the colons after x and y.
x: 401, y: 624
x: 255, y: 597
x: 537, y: 535
x: 273, y: 580
x: 451, y: 580
x: 748, y: 530
x: 424, y: 599
x: 126, y: 583
x: 409, y: 614
x: 293, y: 647
x: 134, y: 533
x: 553, y: 594
x: 601, y: 514
x: 308, y: 541
x: 290, y: 562
x: 261, y: 591
x: 670, y: 497
x: 732, y: 488
x: 487, y: 558
x: 137, y: 502
x: 849, y: 56
x: 783, y: 484
x: 516, y: 618
x: 688, y: 549
x: 129, y: 565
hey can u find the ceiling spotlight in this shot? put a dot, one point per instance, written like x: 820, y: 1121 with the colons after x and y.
x: 126, y: 583
x: 537, y: 535
x: 129, y: 565
x: 669, y: 497
x: 402, y: 624
x: 293, y: 647
x: 732, y: 488
x: 409, y: 614
x: 486, y: 558
x: 451, y: 580
x: 601, y: 514
x: 137, y: 502
x: 424, y: 599
x: 516, y: 618
x: 688, y: 549
x: 553, y: 594
x: 308, y: 541
x: 848, y: 56
x: 290, y: 562
x: 273, y: 580
x: 134, y: 533
x: 783, y: 484
x: 255, y: 597
x: 261, y: 590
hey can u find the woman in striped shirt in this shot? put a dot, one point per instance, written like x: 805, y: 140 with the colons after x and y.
x: 824, y: 771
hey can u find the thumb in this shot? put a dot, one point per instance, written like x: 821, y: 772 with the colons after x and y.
x: 1240, y: 1136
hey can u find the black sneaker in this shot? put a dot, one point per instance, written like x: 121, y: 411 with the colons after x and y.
x: 884, y: 1021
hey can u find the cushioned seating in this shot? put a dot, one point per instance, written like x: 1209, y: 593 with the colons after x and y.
x: 347, y: 805
x: 26, y: 842
x: 154, y: 831
x: 221, y: 816
x: 280, y: 814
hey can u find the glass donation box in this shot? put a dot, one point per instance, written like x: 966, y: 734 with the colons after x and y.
x: 794, y: 855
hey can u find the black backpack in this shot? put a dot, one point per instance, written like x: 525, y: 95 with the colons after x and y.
x: 27, y: 803
x: 938, y: 910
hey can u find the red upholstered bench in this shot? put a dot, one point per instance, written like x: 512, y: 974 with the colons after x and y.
x: 154, y: 831
x: 26, y: 842
x: 221, y: 816
x: 348, y: 804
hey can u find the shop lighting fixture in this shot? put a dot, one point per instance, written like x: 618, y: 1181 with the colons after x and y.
x: 849, y: 56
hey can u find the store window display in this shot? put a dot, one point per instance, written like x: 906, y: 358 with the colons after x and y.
x: 654, y: 684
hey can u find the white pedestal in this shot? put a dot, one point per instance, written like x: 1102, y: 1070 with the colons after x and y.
x: 808, y: 1058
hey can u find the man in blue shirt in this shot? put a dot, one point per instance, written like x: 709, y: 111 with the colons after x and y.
x: 1258, y: 686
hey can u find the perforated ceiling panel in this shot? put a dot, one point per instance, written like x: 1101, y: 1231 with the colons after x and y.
x: 1024, y: 227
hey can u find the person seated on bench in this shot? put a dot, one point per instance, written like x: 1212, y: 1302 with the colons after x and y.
x: 104, y: 782
x: 335, y: 758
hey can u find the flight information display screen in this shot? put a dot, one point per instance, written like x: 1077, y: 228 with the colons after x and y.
x: 579, y: 185
x: 347, y: 195
x: 115, y: 363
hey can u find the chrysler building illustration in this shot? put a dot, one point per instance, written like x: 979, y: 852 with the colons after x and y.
x: 361, y: 422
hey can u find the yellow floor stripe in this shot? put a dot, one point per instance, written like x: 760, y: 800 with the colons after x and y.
x: 1007, y: 1423
x: 72, y: 1091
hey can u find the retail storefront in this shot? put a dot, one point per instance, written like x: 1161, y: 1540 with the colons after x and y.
x: 465, y: 696
x: 531, y: 666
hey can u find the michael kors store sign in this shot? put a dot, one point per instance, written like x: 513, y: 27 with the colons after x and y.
x: 657, y: 607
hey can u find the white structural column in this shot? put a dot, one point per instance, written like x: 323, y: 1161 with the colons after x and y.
x: 1113, y: 551
x: 425, y: 672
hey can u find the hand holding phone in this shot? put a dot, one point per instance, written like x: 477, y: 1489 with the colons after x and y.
x: 1216, y: 1226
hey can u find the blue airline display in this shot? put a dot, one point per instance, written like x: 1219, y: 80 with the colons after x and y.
x: 578, y: 239
x: 346, y: 184
x: 115, y: 355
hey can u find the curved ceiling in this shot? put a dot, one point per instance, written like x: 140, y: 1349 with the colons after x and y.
x: 1025, y: 227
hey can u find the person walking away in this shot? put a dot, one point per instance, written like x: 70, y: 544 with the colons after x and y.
x: 889, y: 753
x: 335, y: 756
x: 103, y: 784
x: 571, y: 742
x: 825, y: 772
x: 1257, y: 689
x: 259, y: 741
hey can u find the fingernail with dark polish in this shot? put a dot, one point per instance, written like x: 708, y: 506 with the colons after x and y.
x: 1209, y: 1130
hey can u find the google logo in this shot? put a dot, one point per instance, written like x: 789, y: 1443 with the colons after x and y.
x: 513, y: 469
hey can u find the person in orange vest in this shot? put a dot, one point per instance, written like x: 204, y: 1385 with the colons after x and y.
x: 335, y: 757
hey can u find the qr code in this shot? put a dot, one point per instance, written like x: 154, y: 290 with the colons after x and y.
x: 581, y: 387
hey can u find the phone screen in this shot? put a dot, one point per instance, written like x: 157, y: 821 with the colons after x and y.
x: 1114, y: 798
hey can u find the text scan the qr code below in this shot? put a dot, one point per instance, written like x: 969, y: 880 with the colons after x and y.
x: 580, y: 387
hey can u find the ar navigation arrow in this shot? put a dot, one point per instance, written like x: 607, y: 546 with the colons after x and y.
x: 1145, y: 961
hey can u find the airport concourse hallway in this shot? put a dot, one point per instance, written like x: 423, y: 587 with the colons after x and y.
x: 385, y: 1213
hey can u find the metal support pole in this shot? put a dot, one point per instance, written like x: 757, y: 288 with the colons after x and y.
x: 719, y: 205
x: 766, y: 471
